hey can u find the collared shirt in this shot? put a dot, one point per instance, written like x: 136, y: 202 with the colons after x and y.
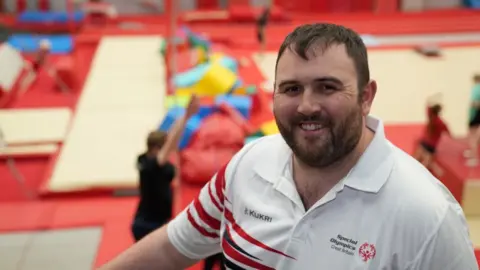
x: 389, y: 212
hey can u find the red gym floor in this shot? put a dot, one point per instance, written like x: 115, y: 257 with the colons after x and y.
x: 114, y: 214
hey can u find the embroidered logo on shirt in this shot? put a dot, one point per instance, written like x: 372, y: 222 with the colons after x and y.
x: 344, y: 244
x: 255, y: 214
x: 367, y: 251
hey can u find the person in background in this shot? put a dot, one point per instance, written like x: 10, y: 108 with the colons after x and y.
x: 156, y: 175
x: 262, y: 22
x: 474, y: 123
x: 36, y: 65
x: 434, y: 130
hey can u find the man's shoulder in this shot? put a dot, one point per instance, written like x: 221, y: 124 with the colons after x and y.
x: 264, y: 152
x: 262, y: 148
x: 419, y: 195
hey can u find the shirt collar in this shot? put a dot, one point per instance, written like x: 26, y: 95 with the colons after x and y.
x: 369, y: 174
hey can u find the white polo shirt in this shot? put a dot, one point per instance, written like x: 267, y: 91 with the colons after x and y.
x: 388, y: 213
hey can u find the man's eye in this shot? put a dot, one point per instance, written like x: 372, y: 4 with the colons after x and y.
x: 291, y: 89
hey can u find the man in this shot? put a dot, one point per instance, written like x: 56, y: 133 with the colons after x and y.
x: 474, y: 123
x: 330, y: 192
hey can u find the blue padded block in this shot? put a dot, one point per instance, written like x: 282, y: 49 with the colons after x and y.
x: 243, y: 104
x: 229, y: 63
x: 50, y: 17
x: 170, y: 118
x: 205, y: 110
x: 28, y: 43
x: 190, y: 77
x: 472, y: 3
x: 193, y: 124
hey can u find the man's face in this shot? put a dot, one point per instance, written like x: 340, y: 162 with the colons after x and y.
x: 317, y: 105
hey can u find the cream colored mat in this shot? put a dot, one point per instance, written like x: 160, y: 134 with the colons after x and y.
x: 121, y: 102
x: 35, y: 126
x: 405, y: 79
x: 29, y: 150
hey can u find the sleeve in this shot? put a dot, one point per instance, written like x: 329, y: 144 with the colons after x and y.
x: 196, y: 231
x: 449, y: 248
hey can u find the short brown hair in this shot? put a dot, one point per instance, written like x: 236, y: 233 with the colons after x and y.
x: 476, y: 77
x: 325, y: 35
x: 156, y: 139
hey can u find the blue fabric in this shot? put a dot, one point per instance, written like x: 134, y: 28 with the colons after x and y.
x: 61, y: 44
x: 50, y: 17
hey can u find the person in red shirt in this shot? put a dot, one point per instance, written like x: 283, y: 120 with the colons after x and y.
x: 434, y: 130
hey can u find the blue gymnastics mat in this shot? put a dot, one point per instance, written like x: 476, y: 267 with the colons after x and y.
x: 60, y: 44
x: 50, y: 17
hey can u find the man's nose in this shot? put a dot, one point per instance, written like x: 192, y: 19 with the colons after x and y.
x: 309, y: 103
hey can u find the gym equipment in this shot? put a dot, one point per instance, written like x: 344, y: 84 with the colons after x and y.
x: 269, y: 128
x: 59, y: 44
x: 49, y: 17
x: 242, y: 103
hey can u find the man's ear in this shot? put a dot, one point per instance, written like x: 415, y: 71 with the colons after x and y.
x: 368, y: 95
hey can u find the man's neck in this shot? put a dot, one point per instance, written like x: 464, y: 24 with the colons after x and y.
x: 313, y: 183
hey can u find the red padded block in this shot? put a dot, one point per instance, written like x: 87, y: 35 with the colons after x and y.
x: 66, y: 72
x: 236, y: 117
x: 261, y: 111
x: 240, y: 13
x: 387, y: 6
x: 26, y: 216
x: 319, y: 5
x: 455, y: 174
x: 340, y: 5
x: 207, y: 4
x: 21, y: 5
x: 43, y: 5
x: 362, y: 6
x: 184, y: 60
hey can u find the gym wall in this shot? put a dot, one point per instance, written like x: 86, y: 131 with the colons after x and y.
x: 321, y: 6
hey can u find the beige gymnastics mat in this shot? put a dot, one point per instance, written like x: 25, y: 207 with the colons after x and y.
x: 35, y: 126
x: 121, y: 102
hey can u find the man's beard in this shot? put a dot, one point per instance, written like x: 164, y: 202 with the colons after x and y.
x: 338, y: 140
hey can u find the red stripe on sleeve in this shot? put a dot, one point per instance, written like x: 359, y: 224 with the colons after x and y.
x: 206, y: 217
x: 199, y: 228
x: 212, y: 198
x: 219, y: 183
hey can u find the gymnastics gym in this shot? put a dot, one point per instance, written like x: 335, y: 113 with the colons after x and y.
x: 70, y: 134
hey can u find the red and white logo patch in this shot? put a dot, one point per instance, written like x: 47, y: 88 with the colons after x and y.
x: 367, y: 251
